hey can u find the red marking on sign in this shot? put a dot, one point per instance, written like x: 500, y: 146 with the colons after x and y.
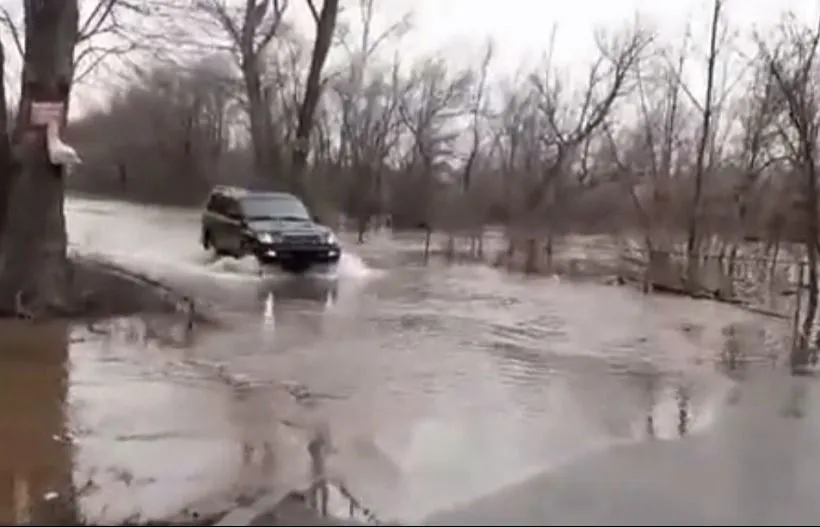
x: 43, y: 113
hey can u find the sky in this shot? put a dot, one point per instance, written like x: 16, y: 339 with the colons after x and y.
x: 521, y: 29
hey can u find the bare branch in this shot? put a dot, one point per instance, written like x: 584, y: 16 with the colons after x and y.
x: 11, y: 26
x: 94, y: 23
x: 313, y: 11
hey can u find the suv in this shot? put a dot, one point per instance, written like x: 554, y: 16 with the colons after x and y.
x: 273, y: 226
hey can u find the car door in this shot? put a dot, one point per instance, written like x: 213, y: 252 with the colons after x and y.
x: 217, y: 223
x: 234, y: 225
x: 210, y: 221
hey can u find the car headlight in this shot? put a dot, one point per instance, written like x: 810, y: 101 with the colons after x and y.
x: 331, y: 239
x: 269, y: 237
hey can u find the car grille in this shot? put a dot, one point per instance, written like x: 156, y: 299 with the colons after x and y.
x: 303, y: 239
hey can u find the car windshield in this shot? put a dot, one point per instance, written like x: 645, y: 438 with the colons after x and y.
x: 274, y: 208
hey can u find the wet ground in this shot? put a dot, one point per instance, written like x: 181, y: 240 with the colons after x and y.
x: 439, y: 384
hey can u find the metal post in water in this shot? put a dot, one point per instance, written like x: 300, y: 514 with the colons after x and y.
x: 22, y: 501
x: 427, y: 245
x: 320, y: 495
x: 796, y: 337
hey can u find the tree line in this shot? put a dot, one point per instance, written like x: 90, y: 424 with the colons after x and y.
x: 237, y: 94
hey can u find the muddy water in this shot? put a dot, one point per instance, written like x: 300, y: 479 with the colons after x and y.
x: 35, y: 457
x: 439, y: 384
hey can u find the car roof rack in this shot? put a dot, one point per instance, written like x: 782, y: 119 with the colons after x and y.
x: 239, y: 192
x: 228, y: 190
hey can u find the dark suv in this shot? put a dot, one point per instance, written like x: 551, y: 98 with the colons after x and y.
x: 273, y: 226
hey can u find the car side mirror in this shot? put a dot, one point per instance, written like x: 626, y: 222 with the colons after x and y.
x: 317, y: 219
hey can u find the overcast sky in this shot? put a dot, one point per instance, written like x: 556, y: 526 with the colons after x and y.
x: 521, y: 28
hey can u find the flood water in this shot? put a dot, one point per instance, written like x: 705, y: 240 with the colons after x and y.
x: 439, y: 384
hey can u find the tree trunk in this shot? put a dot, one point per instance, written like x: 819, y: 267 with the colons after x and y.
x: 325, y: 25
x: 6, y: 160
x: 33, y: 266
x: 812, y: 235
x: 259, y: 116
x: 692, y: 240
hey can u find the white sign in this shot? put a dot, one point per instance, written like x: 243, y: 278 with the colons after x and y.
x: 43, y: 113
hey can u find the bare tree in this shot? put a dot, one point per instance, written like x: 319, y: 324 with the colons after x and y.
x: 754, y: 164
x: 283, y: 88
x: 565, y: 125
x: 792, y: 62
x: 368, y: 129
x: 477, y: 111
x: 33, y: 269
x: 368, y: 133
x: 250, y: 29
x: 433, y: 99
x: 515, y: 132
x: 166, y: 139
x: 105, y: 19
x: 645, y: 157
x: 325, y: 20
x: 705, y: 136
x: 473, y: 207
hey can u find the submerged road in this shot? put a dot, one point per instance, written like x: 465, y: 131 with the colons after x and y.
x: 446, y: 389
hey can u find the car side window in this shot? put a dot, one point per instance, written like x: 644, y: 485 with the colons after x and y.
x: 213, y: 204
x: 231, y: 209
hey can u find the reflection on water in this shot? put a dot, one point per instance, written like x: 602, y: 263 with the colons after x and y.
x: 155, y: 428
x: 35, y: 454
x: 438, y: 386
x: 305, y: 291
x: 110, y: 424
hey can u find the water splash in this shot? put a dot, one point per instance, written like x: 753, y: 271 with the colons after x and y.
x: 247, y: 265
x: 171, y: 241
x: 351, y: 265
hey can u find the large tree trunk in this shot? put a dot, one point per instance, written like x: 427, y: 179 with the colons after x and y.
x: 33, y: 266
x: 325, y: 25
x: 259, y: 115
x: 6, y: 161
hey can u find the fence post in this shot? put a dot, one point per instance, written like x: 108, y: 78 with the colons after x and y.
x: 796, y: 337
